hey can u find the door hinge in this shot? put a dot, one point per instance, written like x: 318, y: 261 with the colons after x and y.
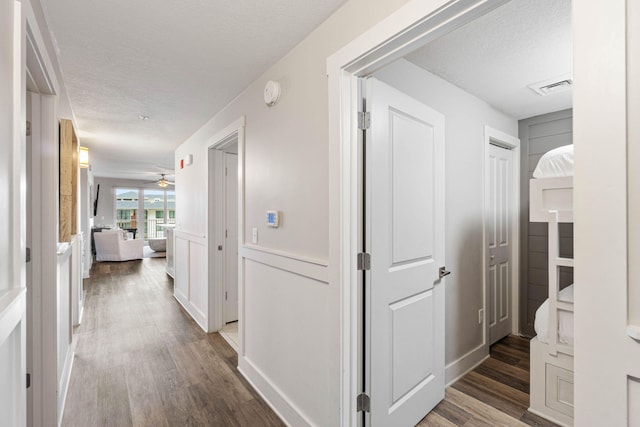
x: 226, y: 172
x: 28, y: 128
x: 28, y: 380
x: 364, y: 120
x: 363, y: 403
x: 364, y: 261
x: 225, y: 296
x: 28, y: 255
x: 226, y: 233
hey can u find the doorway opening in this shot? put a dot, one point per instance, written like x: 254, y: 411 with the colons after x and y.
x: 408, y: 55
x: 47, y: 389
x: 224, y: 225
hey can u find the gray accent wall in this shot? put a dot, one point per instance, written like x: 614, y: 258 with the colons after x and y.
x: 538, y: 135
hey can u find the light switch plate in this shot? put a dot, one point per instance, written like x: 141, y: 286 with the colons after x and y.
x: 254, y: 235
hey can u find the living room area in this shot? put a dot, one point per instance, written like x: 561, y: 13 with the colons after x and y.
x: 131, y: 218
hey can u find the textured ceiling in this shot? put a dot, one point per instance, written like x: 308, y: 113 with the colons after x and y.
x: 176, y: 61
x: 498, y: 55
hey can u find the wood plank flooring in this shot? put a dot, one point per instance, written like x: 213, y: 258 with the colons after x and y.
x: 496, y: 393
x: 141, y: 361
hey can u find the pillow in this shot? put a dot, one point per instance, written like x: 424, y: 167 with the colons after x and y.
x: 555, y: 163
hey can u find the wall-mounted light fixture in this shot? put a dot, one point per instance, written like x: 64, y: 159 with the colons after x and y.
x: 83, y: 157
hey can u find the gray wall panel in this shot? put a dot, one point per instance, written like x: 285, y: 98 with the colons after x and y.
x: 537, y: 136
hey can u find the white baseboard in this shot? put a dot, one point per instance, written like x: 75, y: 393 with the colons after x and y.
x: 195, y: 314
x: 229, y: 341
x: 64, y: 382
x: 460, y: 367
x: 275, y: 398
x: 80, y: 313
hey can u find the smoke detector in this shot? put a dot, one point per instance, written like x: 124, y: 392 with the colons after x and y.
x: 554, y: 85
x: 271, y: 93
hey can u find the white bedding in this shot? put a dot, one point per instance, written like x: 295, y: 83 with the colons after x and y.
x: 565, y: 320
x: 555, y: 163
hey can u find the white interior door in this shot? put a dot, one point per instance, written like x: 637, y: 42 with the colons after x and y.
x: 404, y: 320
x: 499, y: 241
x: 231, y: 237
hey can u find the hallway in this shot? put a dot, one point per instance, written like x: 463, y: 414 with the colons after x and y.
x: 140, y: 360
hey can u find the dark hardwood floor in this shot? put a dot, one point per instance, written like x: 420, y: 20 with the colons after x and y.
x: 496, y: 393
x: 141, y: 361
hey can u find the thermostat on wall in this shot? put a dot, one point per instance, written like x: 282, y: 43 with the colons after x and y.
x: 273, y: 218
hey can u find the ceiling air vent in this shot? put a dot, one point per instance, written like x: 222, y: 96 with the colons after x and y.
x: 554, y: 85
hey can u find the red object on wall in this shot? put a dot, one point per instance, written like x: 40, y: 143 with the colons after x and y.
x: 181, y: 163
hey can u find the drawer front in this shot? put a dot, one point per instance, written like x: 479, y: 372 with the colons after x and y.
x: 559, y: 393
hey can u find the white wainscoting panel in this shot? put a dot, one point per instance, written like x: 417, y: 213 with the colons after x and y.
x: 198, y: 283
x: 308, y: 267
x: 10, y: 390
x: 633, y: 398
x: 77, y: 292
x: 65, y: 320
x: 181, y: 283
x: 190, y: 283
x: 12, y: 334
x: 271, y: 282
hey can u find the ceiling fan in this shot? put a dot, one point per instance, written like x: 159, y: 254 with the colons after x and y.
x: 163, y: 181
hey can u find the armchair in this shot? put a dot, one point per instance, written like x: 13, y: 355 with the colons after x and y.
x: 112, y: 246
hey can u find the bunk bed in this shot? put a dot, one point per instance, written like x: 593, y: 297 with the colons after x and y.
x: 551, y: 201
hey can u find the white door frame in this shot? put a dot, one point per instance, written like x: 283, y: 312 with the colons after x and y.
x: 411, y: 26
x: 13, y: 293
x: 216, y: 225
x: 504, y: 140
x: 44, y: 158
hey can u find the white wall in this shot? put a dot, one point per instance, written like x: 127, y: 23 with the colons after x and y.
x: 291, y: 329
x: 465, y: 117
x: 606, y: 112
x: 7, y: 118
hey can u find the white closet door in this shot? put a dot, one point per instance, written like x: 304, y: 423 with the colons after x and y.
x: 499, y: 241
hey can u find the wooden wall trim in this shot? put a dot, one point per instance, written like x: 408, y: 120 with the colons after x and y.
x: 68, y: 215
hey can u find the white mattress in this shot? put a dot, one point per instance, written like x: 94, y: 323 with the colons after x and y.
x: 565, y: 320
x: 555, y: 163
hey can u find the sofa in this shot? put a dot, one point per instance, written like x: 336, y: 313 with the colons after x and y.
x: 112, y: 245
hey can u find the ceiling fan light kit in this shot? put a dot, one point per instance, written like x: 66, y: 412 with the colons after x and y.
x: 163, y: 182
